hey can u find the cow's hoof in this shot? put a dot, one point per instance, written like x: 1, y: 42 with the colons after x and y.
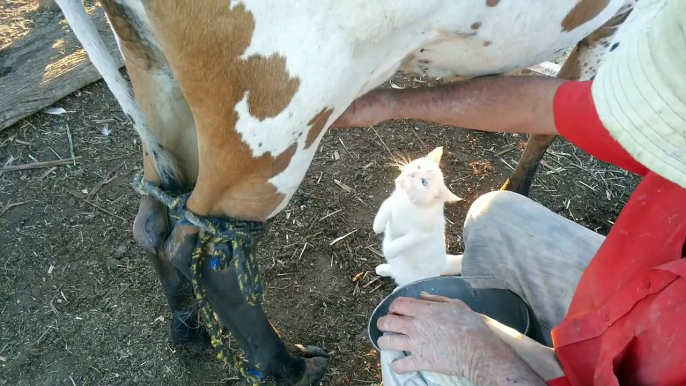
x: 516, y: 185
x: 313, y: 372
x: 186, y: 332
x: 308, y: 351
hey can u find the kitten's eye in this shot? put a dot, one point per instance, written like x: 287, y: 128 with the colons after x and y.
x: 424, y: 182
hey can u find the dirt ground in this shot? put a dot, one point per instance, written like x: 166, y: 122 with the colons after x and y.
x: 82, y: 306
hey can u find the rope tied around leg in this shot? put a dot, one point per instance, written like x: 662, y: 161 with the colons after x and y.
x: 232, y: 241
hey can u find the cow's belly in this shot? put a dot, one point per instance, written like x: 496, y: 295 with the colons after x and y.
x: 507, y: 37
x: 468, y: 58
x: 465, y: 39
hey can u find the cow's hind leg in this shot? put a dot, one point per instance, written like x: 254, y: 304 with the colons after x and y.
x: 582, y: 64
x: 165, y: 246
x: 168, y: 246
x: 169, y: 249
x: 170, y: 122
x: 204, y: 43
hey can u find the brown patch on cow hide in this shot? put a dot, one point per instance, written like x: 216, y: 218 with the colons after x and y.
x: 203, y: 42
x: 606, y: 31
x: 317, y: 124
x: 272, y: 89
x: 583, y: 11
x: 476, y: 25
x: 572, y: 68
x: 492, y: 3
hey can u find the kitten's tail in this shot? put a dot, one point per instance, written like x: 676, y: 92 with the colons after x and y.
x: 453, y: 265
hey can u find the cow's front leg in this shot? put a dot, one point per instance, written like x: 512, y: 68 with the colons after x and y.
x: 252, y: 152
x: 152, y: 231
x: 170, y: 254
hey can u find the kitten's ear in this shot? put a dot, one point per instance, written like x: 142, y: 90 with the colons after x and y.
x: 447, y: 196
x: 436, y: 154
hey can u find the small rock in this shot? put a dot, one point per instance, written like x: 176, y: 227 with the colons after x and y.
x: 112, y: 263
x: 76, y: 173
x: 33, y: 352
x: 121, y: 251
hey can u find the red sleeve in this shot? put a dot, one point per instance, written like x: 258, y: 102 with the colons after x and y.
x: 577, y: 121
x: 562, y: 381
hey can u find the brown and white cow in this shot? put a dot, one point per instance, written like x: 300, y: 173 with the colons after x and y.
x: 233, y: 96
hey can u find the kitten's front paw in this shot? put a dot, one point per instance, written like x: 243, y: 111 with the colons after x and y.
x: 383, y: 270
x: 453, y: 265
x: 378, y: 227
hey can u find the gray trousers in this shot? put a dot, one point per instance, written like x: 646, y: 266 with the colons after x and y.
x: 514, y: 243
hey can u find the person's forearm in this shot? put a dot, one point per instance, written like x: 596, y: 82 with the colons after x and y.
x: 521, y: 104
x: 504, y: 367
x: 538, y: 358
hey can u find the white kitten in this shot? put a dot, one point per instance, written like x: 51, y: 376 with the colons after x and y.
x: 413, y: 223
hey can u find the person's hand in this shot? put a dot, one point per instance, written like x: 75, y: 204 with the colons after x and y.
x: 443, y: 335
x: 367, y: 110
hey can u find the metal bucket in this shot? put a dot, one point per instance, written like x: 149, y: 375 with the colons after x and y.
x: 502, y: 305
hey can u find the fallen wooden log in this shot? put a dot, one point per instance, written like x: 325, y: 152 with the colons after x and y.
x: 46, y: 65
